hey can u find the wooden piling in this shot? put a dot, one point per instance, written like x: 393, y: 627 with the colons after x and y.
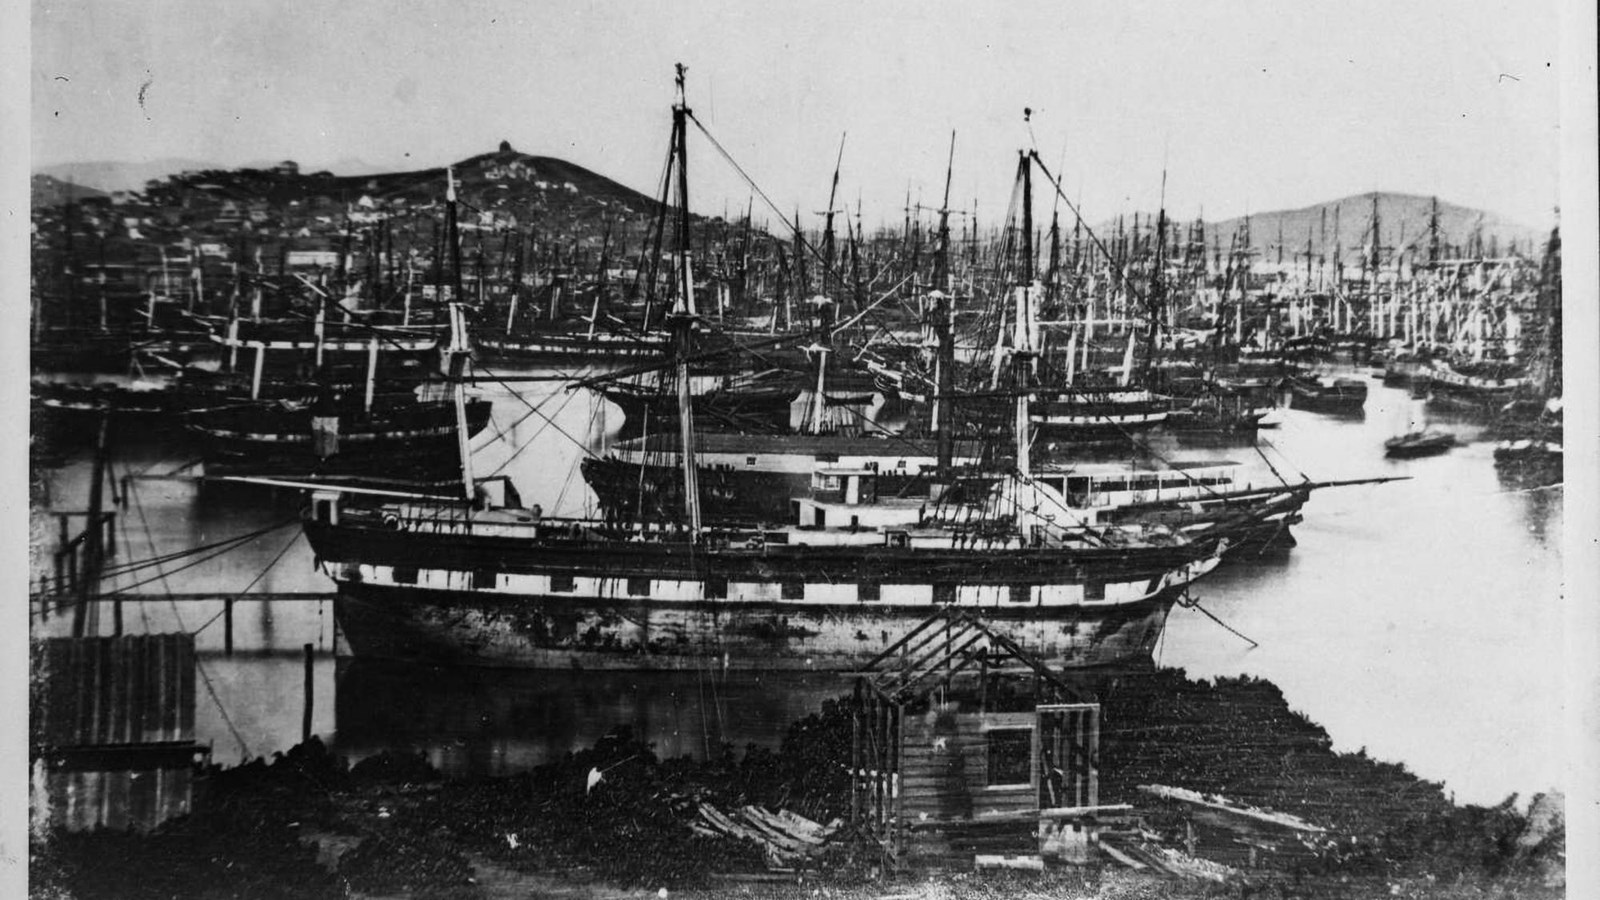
x: 305, y: 719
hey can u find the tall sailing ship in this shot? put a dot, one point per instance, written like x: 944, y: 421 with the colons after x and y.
x: 483, y: 580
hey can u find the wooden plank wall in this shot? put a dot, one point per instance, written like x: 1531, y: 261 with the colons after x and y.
x: 113, y: 697
x: 945, y: 767
x: 124, y: 690
x: 141, y: 800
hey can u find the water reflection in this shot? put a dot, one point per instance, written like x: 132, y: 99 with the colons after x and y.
x: 1540, y: 501
x: 484, y: 722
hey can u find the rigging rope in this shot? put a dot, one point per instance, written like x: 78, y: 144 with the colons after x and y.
x: 199, y: 667
x: 536, y: 411
x: 259, y: 575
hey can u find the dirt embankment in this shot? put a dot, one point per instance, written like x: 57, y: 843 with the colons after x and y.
x: 305, y: 826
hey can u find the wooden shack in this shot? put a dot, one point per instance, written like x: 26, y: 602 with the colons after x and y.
x: 964, y: 747
x: 112, y: 725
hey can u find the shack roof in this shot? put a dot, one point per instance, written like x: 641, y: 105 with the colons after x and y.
x: 949, y: 643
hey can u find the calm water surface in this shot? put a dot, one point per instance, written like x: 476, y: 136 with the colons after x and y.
x: 1419, y: 619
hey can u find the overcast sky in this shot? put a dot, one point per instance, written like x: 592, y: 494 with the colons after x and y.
x: 1247, y: 105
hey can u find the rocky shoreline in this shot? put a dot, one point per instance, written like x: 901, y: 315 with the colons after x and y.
x: 615, y: 820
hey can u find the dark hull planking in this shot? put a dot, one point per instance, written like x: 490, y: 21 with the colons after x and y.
x: 559, y: 603
x: 420, y: 441
x: 552, y: 632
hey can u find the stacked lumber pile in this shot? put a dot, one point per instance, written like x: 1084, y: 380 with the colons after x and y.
x: 787, y: 838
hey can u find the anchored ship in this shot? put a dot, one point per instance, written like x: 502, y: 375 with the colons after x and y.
x: 482, y: 579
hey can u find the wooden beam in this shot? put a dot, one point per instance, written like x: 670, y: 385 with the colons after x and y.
x: 1078, y: 812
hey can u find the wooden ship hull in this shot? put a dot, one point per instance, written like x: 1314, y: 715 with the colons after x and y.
x: 1427, y: 443
x: 1091, y: 416
x: 557, y: 348
x: 1222, y: 415
x: 418, y: 439
x: 1346, y: 396
x: 763, y: 410
x: 518, y: 592
x: 1485, y: 386
x: 1254, y: 522
x: 752, y: 477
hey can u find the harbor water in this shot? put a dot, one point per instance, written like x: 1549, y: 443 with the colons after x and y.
x: 1419, y: 619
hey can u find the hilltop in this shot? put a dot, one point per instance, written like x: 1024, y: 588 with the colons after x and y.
x: 47, y: 190
x: 545, y: 197
x: 1403, y: 220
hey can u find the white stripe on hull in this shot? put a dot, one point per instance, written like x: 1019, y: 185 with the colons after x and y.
x: 553, y: 633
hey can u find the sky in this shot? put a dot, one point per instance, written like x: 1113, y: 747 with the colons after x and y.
x: 1246, y: 106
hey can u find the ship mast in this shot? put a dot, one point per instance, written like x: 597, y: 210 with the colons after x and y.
x: 1022, y: 340
x: 683, y: 316
x: 459, y: 352
x: 1156, y: 303
x: 944, y: 322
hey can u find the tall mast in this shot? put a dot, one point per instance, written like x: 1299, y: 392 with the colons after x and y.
x: 1022, y: 340
x: 943, y: 314
x: 941, y: 261
x: 458, y: 353
x: 1025, y: 171
x: 1322, y: 249
x: 1433, y: 232
x: 1338, y: 250
x: 1370, y: 265
x: 683, y: 319
x: 802, y: 287
x: 1158, y: 286
x: 827, y: 232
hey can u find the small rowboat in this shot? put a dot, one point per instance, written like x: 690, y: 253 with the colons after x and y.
x: 1419, y: 443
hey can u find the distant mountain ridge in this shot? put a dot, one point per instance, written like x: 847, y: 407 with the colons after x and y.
x: 108, y: 176
x: 564, y: 194
x: 1345, y: 224
x: 557, y: 205
x: 47, y: 190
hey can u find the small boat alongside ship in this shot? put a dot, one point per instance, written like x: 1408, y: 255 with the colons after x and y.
x: 1427, y: 442
x: 1328, y: 394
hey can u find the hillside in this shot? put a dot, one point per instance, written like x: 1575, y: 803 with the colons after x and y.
x: 1403, y: 220
x: 504, y: 179
x: 111, y: 176
x: 46, y: 190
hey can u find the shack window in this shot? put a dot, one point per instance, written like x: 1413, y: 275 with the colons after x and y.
x: 794, y: 590
x: 562, y: 584
x: 638, y: 587
x: 1010, y: 757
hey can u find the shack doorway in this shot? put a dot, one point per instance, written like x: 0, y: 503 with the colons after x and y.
x: 1069, y: 755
